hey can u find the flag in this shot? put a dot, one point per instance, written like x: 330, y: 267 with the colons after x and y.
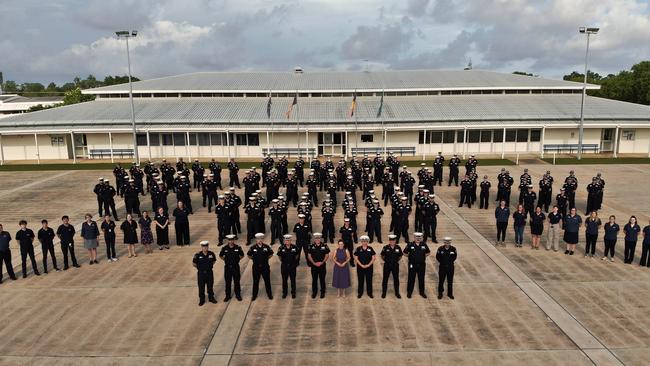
x: 268, y: 107
x: 294, y: 102
x: 353, y: 106
x: 381, y: 105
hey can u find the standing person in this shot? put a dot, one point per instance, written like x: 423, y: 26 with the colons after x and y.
x: 231, y: 254
x: 502, y: 215
x: 5, y: 254
x: 90, y: 233
x: 417, y: 252
x: 341, y: 271
x: 519, y: 221
x: 25, y: 239
x: 233, y: 170
x: 203, y: 261
x: 484, y: 197
x: 631, y: 230
x: 108, y: 228
x: 592, y: 224
x: 611, y: 234
x: 289, y: 258
x: 446, y: 256
x: 317, y: 256
x: 182, y: 224
x: 66, y: 232
x: 162, y: 229
x: 645, y: 251
x: 260, y: 254
x: 554, y: 222
x: 572, y: 224
x: 130, y: 230
x: 46, y: 236
x: 536, y: 227
x: 391, y: 254
x: 146, y: 235
x: 365, y: 257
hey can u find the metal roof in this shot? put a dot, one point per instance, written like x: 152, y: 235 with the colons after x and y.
x: 250, y: 113
x: 262, y: 82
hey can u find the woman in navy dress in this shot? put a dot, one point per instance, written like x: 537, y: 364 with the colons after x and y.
x: 146, y: 236
x: 341, y: 276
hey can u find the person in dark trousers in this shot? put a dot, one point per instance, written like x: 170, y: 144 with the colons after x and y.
x: 484, y: 197
x: 592, y: 224
x: 365, y: 257
x: 391, y: 254
x: 289, y: 258
x: 233, y: 170
x: 46, y: 237
x: 25, y: 239
x: 572, y: 223
x: 260, y: 254
x: 66, y: 232
x: 203, y: 262
x: 417, y: 252
x: 519, y: 223
x: 502, y: 215
x: 611, y: 234
x: 632, y: 230
x: 231, y: 254
x: 645, y: 252
x: 317, y: 254
x: 182, y: 224
x: 108, y: 228
x: 5, y: 254
x: 446, y: 256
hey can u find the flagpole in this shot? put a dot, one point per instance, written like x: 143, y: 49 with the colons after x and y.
x: 383, y: 129
x: 272, y: 126
x: 356, y: 123
x: 297, y: 123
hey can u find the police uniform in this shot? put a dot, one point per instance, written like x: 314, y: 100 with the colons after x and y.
x: 289, y: 258
x: 318, y: 253
x: 231, y: 254
x: 364, y: 256
x: 391, y: 254
x: 203, y: 261
x: 446, y: 256
x: 260, y: 254
x: 417, y: 255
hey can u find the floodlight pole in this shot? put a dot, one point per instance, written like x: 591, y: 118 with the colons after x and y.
x: 126, y: 35
x: 588, y: 32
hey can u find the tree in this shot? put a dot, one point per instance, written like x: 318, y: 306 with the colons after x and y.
x: 10, y: 86
x: 75, y: 96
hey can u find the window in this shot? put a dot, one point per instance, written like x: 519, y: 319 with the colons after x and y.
x: 498, y: 135
x: 241, y: 139
x: 217, y: 139
x: 511, y: 135
x: 486, y: 136
x: 253, y: 139
x: 247, y: 139
x: 421, y: 137
x: 337, y: 138
x: 522, y: 135
x: 154, y: 139
x: 179, y: 139
x: 204, y: 139
x: 460, y: 137
x: 448, y: 137
x: 56, y: 140
x: 367, y: 138
x: 141, y: 139
x: 535, y: 135
x: 192, y: 139
x: 435, y: 137
x: 628, y: 135
x: 167, y: 139
x: 473, y: 135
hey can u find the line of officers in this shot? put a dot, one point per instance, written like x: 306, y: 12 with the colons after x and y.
x: 317, y: 254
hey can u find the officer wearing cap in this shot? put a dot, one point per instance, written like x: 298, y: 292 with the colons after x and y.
x: 570, y: 187
x: 203, y: 261
x: 391, y: 253
x: 289, y: 258
x: 233, y: 169
x: 446, y: 256
x: 231, y: 254
x: 364, y: 257
x: 222, y: 211
x: 529, y: 200
x: 260, y: 253
x: 454, y: 162
x: 302, y: 229
x: 317, y: 255
x: 98, y: 192
x: 417, y: 252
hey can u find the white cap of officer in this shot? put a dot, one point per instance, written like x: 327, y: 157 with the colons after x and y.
x: 230, y: 236
x: 205, y: 243
x: 317, y: 235
x: 418, y: 234
x: 259, y: 236
x: 446, y: 240
x: 287, y: 236
x: 392, y: 236
x: 364, y: 238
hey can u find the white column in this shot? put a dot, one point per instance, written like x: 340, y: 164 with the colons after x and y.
x: 616, y: 142
x: 464, y: 142
x: 110, y: 141
x: 347, y: 143
x: 149, y: 145
x: 187, y: 147
x: 268, y: 142
x: 541, y: 144
x: 306, y: 143
x: 74, y: 152
x: 38, y: 154
x: 455, y: 142
x: 425, y: 145
x: 2, y: 152
x: 228, y: 142
x: 503, y: 144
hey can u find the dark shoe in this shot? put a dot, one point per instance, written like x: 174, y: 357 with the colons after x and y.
x: 439, y: 296
x: 214, y: 301
x: 91, y: 263
x: 284, y: 296
x: 201, y: 302
x: 24, y: 276
x: 238, y: 297
x: 383, y: 295
x: 270, y: 297
x: 370, y: 296
x: 57, y: 269
x: 37, y: 273
x: 451, y: 296
x: 566, y: 252
x: 397, y: 295
x: 45, y: 271
x: 65, y: 268
x: 226, y: 299
x: 408, y: 295
x: 96, y: 262
x: 14, y: 278
x: 359, y: 296
x: 253, y: 298
x: 313, y: 295
x: 76, y: 266
x: 293, y: 296
x: 423, y: 296
x: 571, y: 253
x: 322, y: 295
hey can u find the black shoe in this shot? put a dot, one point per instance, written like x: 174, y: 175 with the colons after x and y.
x: 96, y: 262
x: 451, y: 296
x: 408, y: 295
x: 322, y: 295
x: 370, y: 296
x: 571, y: 253
x: 293, y: 296
x: 423, y: 296
x: 566, y: 252
x: 201, y: 302
x: 91, y: 263
x: 383, y: 295
x: 439, y: 296
x: 65, y: 268
x: 359, y: 296
x: 313, y: 295
x: 397, y: 295
x: 270, y: 297
x: 45, y: 271
x: 435, y: 241
x: 213, y: 300
x: 253, y: 298
x: 238, y: 297
x: 14, y: 278
x: 37, y: 273
x: 284, y: 296
x: 76, y: 266
x: 24, y: 276
x: 226, y: 299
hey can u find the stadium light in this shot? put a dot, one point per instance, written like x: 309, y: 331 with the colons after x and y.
x: 126, y: 35
x: 588, y: 31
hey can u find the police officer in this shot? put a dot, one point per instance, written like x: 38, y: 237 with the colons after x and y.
x: 203, y: 261
x: 446, y: 256
x: 454, y: 162
x: 303, y: 232
x: 260, y: 254
x: 98, y: 192
x: 417, y: 252
x: 570, y: 187
x: 327, y: 213
x: 349, y: 236
x: 231, y: 254
x: 374, y: 221
x: 289, y: 258
x: 275, y: 213
x: 465, y: 192
x: 233, y: 169
x: 484, y: 198
x: 65, y: 232
x: 391, y: 253
x: 431, y: 209
x: 5, y: 254
x: 318, y: 254
x: 365, y: 257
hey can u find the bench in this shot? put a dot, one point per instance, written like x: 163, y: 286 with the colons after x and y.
x: 571, y: 148
x: 106, y: 153
x: 290, y: 151
x: 397, y: 150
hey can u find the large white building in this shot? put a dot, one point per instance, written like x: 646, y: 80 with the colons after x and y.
x: 214, y: 114
x: 14, y: 103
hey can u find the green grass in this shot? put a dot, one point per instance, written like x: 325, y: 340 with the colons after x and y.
x: 40, y: 167
x: 570, y: 161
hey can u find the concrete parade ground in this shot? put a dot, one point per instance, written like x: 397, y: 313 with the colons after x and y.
x: 513, y: 306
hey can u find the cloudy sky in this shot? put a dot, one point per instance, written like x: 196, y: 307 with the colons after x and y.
x: 55, y: 40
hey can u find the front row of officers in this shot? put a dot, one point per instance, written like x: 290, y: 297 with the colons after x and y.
x: 317, y: 256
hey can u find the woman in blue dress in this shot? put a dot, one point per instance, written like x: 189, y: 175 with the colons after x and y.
x: 341, y: 276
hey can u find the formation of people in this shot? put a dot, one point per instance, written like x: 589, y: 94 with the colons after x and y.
x: 403, y: 193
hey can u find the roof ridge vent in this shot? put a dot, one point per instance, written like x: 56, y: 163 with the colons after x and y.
x: 298, y: 70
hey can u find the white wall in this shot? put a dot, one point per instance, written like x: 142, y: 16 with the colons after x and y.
x: 23, y: 147
x: 640, y: 144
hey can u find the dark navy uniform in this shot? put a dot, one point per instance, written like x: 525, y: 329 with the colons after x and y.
x: 260, y: 254
x: 364, y: 275
x: 203, y: 261
x: 289, y: 258
x: 231, y: 255
x: 391, y: 254
x: 318, y: 253
x: 446, y: 255
x: 417, y: 255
